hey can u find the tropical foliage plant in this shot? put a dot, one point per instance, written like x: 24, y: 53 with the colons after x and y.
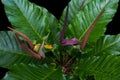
x: 75, y: 47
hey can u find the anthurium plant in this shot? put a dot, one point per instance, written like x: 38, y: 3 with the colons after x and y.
x: 39, y: 47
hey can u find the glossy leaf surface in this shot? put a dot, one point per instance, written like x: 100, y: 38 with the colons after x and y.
x: 32, y: 20
x: 33, y: 72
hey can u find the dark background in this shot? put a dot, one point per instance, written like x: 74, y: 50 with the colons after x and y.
x: 56, y: 7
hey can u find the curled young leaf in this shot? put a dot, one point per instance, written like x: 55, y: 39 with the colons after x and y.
x: 72, y: 41
x: 62, y: 40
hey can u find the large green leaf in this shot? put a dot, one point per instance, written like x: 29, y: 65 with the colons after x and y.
x: 32, y: 20
x: 95, y: 13
x: 101, y: 67
x: 102, y: 62
x: 109, y: 44
x: 75, y: 6
x: 33, y: 72
x: 11, y: 52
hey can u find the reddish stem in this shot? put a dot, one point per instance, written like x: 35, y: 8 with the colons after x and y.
x: 24, y: 36
x: 32, y: 53
x: 28, y: 50
x: 64, y: 26
x: 89, y: 31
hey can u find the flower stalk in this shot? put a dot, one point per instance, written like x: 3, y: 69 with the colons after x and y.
x: 69, y: 42
x: 24, y: 47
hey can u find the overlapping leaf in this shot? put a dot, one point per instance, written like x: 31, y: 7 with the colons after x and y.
x: 36, y: 22
x: 75, y: 6
x: 102, y: 61
x: 32, y: 20
x: 32, y: 72
x: 109, y: 44
x: 101, y: 67
x: 95, y: 13
x: 11, y: 52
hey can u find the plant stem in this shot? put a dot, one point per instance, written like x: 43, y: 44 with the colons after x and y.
x: 64, y: 26
x: 89, y: 31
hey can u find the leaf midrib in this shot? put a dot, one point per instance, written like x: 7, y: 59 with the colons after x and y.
x: 94, y: 71
x: 50, y: 73
x: 94, y: 21
x: 13, y: 52
x: 108, y: 46
x: 31, y: 26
